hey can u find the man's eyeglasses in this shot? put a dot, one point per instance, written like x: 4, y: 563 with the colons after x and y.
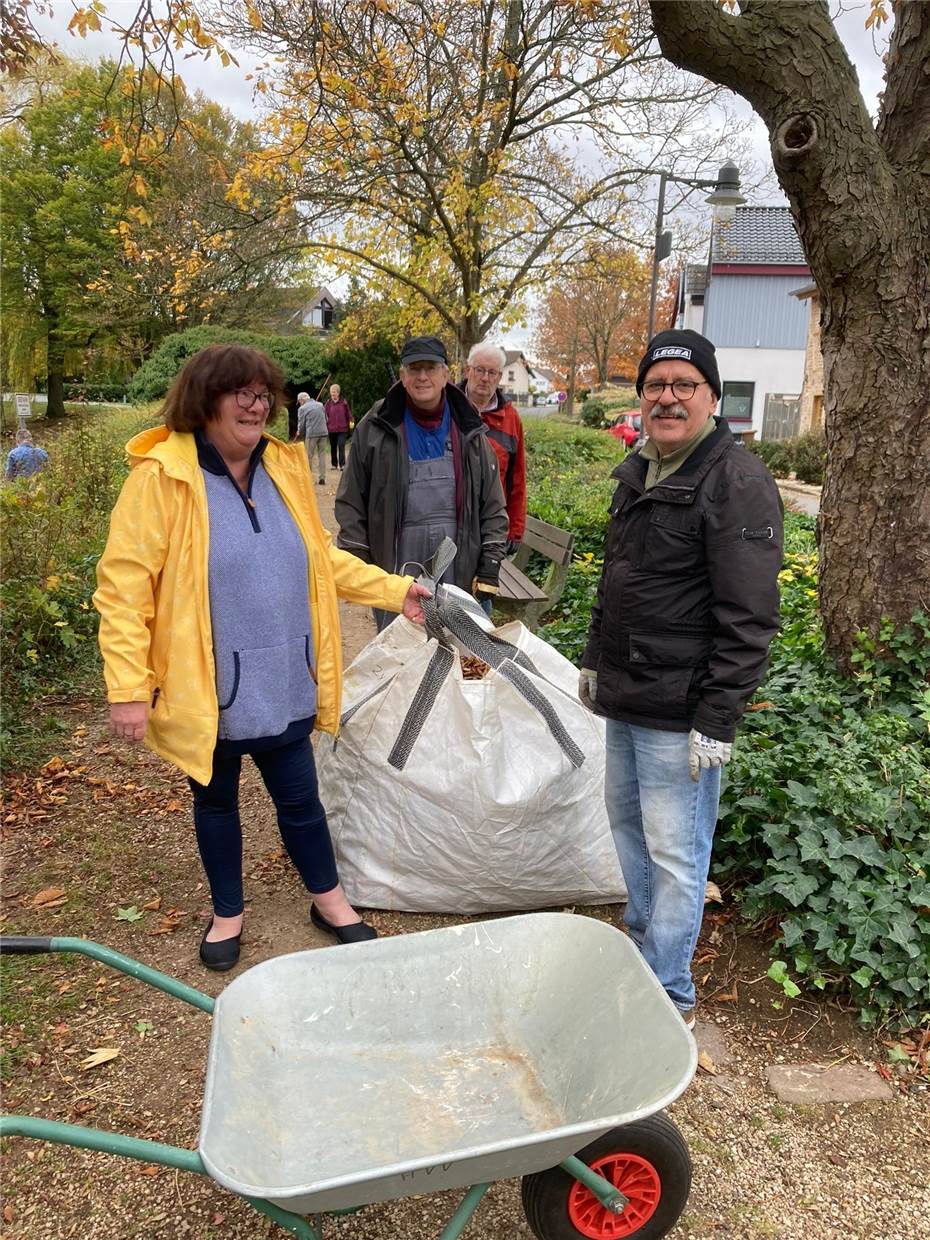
x: 485, y: 373
x: 683, y: 389
x: 246, y: 398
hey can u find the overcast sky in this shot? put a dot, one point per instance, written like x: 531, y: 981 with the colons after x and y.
x: 230, y: 88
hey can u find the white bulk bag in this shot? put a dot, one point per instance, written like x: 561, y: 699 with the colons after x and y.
x: 483, y: 809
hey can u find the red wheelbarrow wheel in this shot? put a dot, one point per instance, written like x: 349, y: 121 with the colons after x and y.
x: 647, y: 1161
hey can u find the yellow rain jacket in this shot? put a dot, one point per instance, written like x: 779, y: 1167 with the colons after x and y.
x: 153, y: 595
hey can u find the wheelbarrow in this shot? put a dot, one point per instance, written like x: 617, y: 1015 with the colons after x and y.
x: 538, y: 1046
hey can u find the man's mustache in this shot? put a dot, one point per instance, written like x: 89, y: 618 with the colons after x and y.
x: 670, y: 411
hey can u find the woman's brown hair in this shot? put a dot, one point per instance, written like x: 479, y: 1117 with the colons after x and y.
x: 208, y: 375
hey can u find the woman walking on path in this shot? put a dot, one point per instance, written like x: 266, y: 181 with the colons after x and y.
x: 219, y: 624
x: 338, y: 423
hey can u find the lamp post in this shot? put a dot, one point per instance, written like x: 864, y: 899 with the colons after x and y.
x: 725, y: 194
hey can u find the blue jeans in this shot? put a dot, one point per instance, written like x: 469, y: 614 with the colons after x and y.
x: 289, y: 774
x: 663, y: 827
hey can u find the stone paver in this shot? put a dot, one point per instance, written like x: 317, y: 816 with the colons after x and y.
x: 812, y: 1082
x: 710, y: 1038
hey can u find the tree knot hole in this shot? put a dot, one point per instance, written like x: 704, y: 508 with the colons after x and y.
x: 797, y: 135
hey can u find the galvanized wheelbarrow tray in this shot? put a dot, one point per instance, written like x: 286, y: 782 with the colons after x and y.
x: 538, y: 1046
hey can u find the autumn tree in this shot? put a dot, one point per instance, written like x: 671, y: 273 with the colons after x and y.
x: 597, y: 315
x: 435, y: 146
x: 188, y: 255
x: 61, y: 191
x: 859, y: 191
x: 115, y: 234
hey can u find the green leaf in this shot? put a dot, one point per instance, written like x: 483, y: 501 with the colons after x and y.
x: 131, y: 913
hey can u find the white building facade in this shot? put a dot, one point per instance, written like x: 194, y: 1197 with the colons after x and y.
x: 743, y: 303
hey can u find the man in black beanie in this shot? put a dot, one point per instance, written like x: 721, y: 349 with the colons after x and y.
x: 686, y: 608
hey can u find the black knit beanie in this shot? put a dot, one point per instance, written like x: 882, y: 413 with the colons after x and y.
x: 683, y: 346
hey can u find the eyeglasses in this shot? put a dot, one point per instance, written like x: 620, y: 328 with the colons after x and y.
x: 684, y: 389
x: 246, y: 398
x: 485, y: 373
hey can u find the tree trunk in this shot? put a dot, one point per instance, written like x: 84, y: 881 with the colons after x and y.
x: 860, y: 197
x: 572, y: 361
x: 875, y: 507
x: 55, y: 365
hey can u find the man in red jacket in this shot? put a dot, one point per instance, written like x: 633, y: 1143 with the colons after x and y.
x: 483, y: 372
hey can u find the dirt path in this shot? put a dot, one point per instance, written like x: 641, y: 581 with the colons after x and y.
x: 109, y: 827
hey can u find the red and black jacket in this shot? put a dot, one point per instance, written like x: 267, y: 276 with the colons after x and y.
x: 505, y: 433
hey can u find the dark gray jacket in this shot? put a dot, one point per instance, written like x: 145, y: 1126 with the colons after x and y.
x: 688, y: 599
x: 373, y: 490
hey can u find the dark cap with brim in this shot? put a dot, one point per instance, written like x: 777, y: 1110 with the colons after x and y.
x: 423, y: 349
x: 681, y: 346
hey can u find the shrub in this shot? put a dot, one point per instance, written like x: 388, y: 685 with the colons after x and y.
x: 300, y: 358
x: 594, y: 412
x: 53, y: 530
x: 363, y: 374
x: 776, y: 453
x: 569, y: 481
x: 805, y: 457
x: 809, y: 457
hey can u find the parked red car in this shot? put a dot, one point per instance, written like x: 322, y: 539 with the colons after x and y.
x: 628, y: 427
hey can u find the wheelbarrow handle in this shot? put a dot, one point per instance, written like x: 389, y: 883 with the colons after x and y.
x: 26, y: 946
x: 23, y: 945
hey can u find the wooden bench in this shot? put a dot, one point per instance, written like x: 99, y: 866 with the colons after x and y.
x: 522, y: 599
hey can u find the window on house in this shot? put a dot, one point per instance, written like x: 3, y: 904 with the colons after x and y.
x: 510, y: 376
x: 736, y: 404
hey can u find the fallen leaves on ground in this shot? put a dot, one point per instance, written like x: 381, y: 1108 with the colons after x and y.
x: 49, y: 897
x: 99, y: 1055
x: 169, y: 921
x: 706, y: 1064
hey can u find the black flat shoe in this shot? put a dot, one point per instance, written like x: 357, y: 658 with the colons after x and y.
x: 221, y: 955
x: 357, y: 932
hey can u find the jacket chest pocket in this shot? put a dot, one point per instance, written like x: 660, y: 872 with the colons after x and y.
x: 675, y: 539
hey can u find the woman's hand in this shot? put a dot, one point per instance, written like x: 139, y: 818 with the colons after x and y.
x: 128, y: 720
x: 412, y: 609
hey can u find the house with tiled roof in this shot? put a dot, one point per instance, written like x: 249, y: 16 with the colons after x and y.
x: 744, y: 305
x: 518, y: 376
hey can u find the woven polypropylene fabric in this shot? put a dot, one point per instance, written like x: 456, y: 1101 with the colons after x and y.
x: 438, y: 668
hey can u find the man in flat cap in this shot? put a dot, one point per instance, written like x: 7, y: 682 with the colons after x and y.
x: 420, y: 470
x: 686, y: 608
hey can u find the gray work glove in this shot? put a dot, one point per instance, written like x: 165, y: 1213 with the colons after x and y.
x: 587, y: 687
x: 704, y: 753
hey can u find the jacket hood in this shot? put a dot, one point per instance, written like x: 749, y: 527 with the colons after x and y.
x: 176, y: 451
x: 391, y: 409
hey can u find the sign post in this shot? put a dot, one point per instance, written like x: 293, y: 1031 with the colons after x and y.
x: 23, y: 406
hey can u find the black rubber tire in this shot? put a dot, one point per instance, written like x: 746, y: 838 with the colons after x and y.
x: 656, y: 1139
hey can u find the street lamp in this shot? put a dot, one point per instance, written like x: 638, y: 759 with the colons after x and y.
x: 726, y: 195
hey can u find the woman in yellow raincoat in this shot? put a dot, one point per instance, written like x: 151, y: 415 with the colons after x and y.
x: 219, y: 624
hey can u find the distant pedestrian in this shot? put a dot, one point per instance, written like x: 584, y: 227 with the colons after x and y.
x: 311, y: 428
x: 25, y: 460
x: 339, y: 423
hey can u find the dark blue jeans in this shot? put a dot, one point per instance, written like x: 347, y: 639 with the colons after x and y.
x: 289, y: 773
x: 337, y: 448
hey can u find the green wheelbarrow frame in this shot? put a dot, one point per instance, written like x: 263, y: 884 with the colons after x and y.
x: 82, y: 1137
